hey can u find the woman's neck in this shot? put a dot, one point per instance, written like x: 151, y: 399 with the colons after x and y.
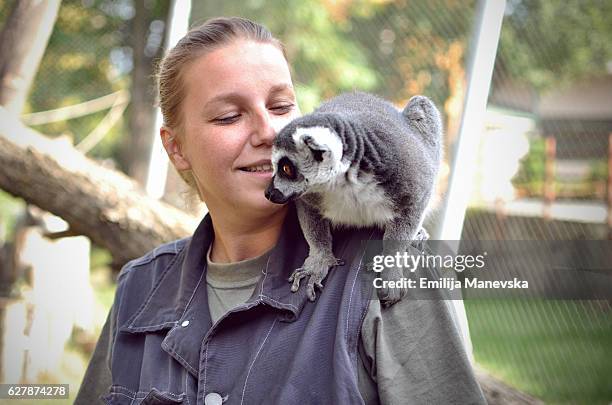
x: 240, y: 239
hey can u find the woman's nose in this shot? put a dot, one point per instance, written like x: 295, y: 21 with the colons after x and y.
x: 264, y: 130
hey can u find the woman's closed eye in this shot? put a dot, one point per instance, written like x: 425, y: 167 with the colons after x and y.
x: 226, y: 119
x: 276, y: 109
x: 282, y: 109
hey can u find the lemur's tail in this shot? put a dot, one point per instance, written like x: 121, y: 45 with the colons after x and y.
x: 424, y: 117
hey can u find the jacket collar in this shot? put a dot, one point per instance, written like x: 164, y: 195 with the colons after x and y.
x: 164, y: 307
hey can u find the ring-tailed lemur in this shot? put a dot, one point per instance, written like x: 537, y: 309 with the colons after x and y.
x: 357, y: 161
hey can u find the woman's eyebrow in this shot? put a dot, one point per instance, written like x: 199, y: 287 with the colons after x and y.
x: 231, y: 96
x: 279, y: 88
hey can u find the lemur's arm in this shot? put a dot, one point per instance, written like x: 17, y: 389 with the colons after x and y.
x: 316, y: 229
x: 317, y: 232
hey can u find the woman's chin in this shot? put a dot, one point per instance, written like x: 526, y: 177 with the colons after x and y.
x: 268, y: 206
x: 256, y: 204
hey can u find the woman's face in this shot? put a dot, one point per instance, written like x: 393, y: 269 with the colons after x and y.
x: 237, y: 98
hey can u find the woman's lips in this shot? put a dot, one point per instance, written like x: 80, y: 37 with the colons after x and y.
x: 262, y: 168
x: 260, y: 174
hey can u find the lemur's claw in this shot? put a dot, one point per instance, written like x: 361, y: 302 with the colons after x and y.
x: 420, y: 238
x: 389, y: 296
x: 313, y: 283
x: 422, y: 234
x: 315, y: 279
x: 296, y: 277
x: 390, y: 299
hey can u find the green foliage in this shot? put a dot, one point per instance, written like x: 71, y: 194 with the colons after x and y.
x: 323, y: 57
x: 89, y: 55
x: 10, y: 207
x: 100, y: 257
x: 552, y: 43
x: 5, y: 7
x: 533, y: 164
x: 407, y: 43
x: 531, y: 175
x: 367, y: 45
x: 312, y: 40
x: 78, y: 66
x: 391, y: 48
x: 599, y: 171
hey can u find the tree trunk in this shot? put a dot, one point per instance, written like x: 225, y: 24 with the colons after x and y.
x: 141, y: 114
x: 23, y: 41
x: 103, y: 204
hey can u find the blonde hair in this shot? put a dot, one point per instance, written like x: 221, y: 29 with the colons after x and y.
x: 211, y: 35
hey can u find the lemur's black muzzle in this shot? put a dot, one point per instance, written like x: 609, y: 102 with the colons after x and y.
x: 275, y: 195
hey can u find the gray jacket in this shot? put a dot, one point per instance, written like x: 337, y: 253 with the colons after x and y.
x: 277, y: 348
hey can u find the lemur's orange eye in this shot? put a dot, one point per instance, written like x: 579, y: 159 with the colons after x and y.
x: 288, y: 170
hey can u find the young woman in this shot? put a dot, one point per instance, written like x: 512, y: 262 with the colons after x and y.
x: 211, y: 319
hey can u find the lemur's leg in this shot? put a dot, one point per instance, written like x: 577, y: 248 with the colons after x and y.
x: 396, y: 239
x: 317, y: 233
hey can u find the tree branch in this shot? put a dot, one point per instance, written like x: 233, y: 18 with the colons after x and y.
x: 103, y: 204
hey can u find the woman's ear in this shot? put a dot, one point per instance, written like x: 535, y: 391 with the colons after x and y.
x: 173, y: 149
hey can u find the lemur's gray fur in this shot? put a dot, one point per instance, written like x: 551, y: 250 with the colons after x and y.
x: 357, y: 161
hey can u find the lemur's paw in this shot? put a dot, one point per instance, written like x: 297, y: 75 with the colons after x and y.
x: 387, y: 295
x: 422, y: 234
x: 316, y: 269
x: 315, y: 279
x: 420, y: 238
x: 369, y: 266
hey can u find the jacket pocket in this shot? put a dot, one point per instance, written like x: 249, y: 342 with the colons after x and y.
x: 120, y: 395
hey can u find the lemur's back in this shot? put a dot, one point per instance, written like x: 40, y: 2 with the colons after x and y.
x: 402, y: 155
x: 379, y: 116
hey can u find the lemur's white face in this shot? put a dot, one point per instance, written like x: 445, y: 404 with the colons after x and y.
x: 312, y: 166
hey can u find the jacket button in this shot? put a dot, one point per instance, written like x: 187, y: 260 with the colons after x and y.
x: 213, y: 399
x: 185, y: 323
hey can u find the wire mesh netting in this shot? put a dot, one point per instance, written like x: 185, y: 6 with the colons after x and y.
x: 86, y: 58
x: 549, y: 119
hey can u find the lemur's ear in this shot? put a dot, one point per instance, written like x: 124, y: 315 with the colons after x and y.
x: 316, y: 149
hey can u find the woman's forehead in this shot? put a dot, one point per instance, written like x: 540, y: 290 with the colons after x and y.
x: 239, y: 65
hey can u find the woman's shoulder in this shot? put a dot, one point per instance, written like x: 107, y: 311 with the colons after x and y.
x: 150, y: 281
x: 153, y: 264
